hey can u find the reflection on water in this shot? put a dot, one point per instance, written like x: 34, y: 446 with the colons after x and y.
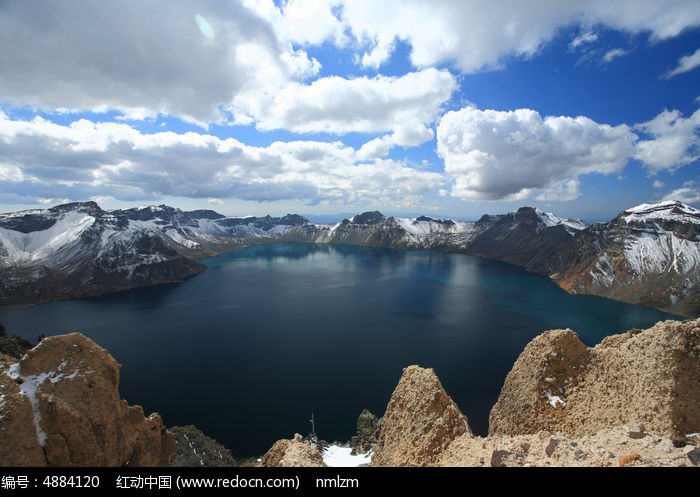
x: 247, y: 348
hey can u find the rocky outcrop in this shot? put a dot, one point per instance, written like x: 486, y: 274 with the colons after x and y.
x: 13, y: 346
x: 367, y: 432
x: 420, y: 421
x: 60, y: 406
x: 296, y: 453
x: 558, y: 384
x: 194, y: 449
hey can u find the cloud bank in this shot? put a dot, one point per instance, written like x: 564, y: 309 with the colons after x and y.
x: 87, y: 159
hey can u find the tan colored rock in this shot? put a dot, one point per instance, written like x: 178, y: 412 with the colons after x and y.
x: 610, y: 447
x: 19, y: 446
x: 628, y: 459
x: 294, y: 453
x: 557, y: 384
x: 420, y: 421
x: 66, y: 402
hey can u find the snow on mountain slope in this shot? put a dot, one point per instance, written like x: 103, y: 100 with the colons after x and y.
x: 427, y: 232
x: 661, y: 238
x: 78, y: 250
x: 571, y: 225
x: 669, y: 210
x: 39, y: 246
x: 649, y: 254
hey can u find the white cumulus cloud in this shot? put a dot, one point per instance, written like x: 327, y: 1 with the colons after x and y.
x: 584, y: 38
x: 674, y: 141
x: 477, y: 34
x: 137, y: 57
x: 89, y: 160
x: 494, y: 155
x: 340, y: 105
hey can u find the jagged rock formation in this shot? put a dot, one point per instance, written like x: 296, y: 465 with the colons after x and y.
x: 367, y: 432
x: 558, y: 384
x: 60, y: 406
x: 13, y: 346
x: 194, y: 449
x: 420, y: 421
x: 296, y: 453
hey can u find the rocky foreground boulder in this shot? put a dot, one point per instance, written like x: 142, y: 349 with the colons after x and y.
x: 60, y: 406
x: 559, y: 384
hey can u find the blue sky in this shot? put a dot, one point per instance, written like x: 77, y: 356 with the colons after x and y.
x: 444, y: 108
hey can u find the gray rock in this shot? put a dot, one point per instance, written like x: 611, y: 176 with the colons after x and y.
x: 497, y: 458
x: 367, y: 431
x: 636, y: 430
x: 551, y: 447
x: 194, y: 449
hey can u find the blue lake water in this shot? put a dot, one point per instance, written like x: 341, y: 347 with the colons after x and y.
x: 248, y: 348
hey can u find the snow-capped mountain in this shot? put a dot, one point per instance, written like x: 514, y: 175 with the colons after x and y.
x: 79, y: 250
x: 375, y: 229
x: 205, y: 232
x: 649, y: 254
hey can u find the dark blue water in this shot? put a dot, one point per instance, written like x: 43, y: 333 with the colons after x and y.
x: 248, y: 348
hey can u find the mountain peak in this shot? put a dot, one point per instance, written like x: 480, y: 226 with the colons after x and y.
x: 89, y: 207
x: 667, y: 210
x: 369, y: 217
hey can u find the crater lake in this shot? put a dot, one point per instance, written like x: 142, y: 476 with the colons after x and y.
x: 267, y: 334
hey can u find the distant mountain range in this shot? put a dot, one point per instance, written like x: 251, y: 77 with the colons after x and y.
x: 648, y: 255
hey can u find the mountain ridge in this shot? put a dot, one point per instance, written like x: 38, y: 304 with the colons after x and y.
x: 648, y: 254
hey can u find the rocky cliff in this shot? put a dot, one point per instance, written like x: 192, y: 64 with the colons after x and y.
x: 296, y: 452
x: 648, y: 255
x: 60, y: 406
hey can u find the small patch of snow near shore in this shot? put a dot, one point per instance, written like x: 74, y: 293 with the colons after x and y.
x: 341, y: 457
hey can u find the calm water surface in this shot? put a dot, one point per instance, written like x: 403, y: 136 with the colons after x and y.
x: 248, y: 348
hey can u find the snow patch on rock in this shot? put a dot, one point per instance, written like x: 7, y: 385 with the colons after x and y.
x: 336, y: 456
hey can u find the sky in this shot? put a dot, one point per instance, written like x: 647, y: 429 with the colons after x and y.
x: 448, y: 108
